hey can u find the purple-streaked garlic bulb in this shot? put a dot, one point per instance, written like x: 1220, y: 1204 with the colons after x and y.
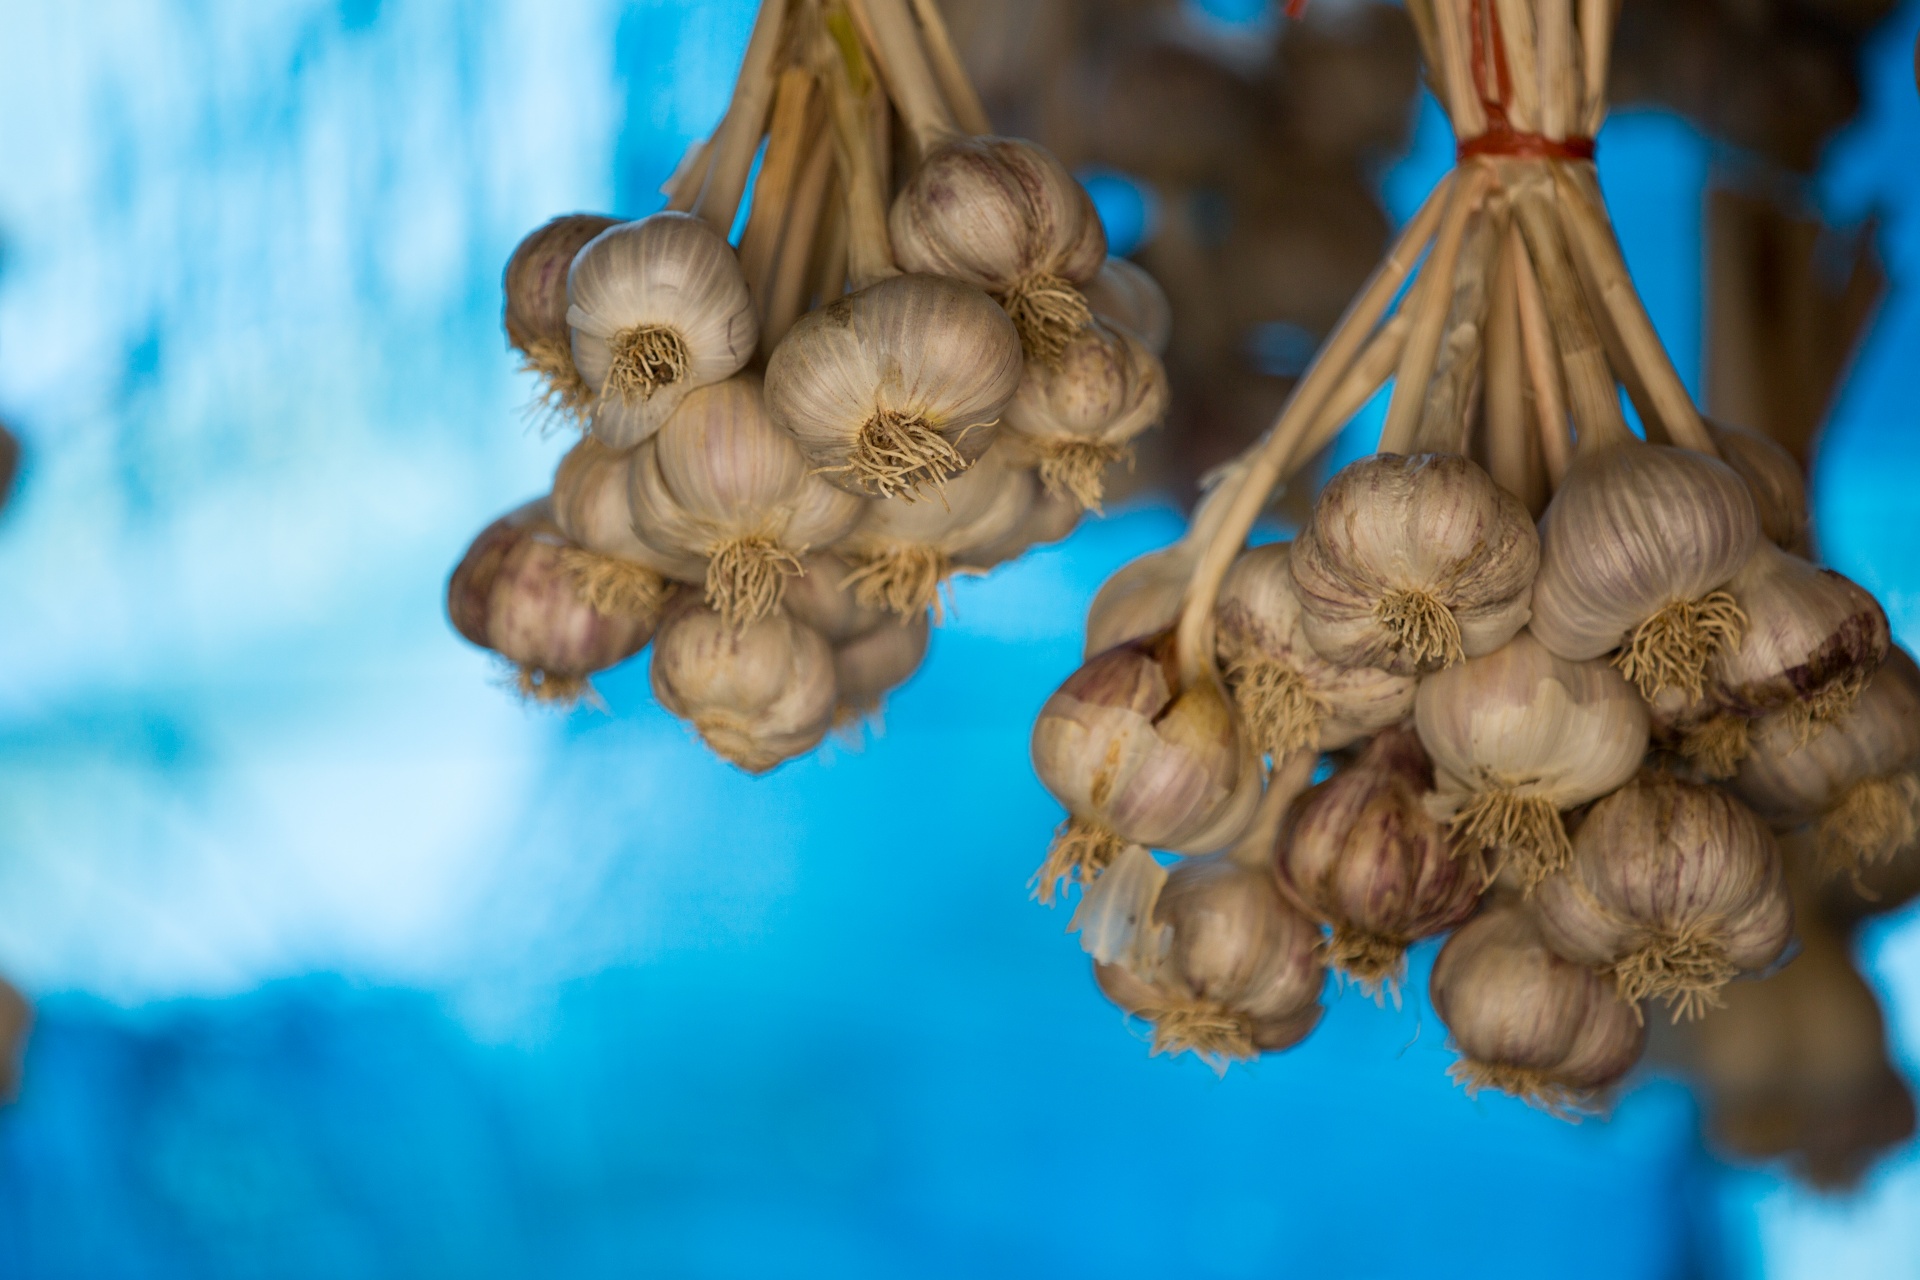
x: 1812, y: 641
x: 535, y: 285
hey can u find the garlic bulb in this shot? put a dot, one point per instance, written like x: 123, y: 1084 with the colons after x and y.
x: 1125, y: 296
x: 1077, y: 413
x: 1518, y: 736
x: 1710, y: 740
x: 1812, y: 640
x: 1363, y: 856
x: 1636, y: 548
x: 1005, y: 216
x: 1240, y: 974
x: 903, y: 550
x: 1773, y: 477
x: 1527, y: 1022
x: 821, y: 596
x: 1673, y: 888
x: 870, y: 666
x: 1136, y: 759
x: 1289, y: 696
x: 535, y: 284
x: 1050, y: 517
x: 1857, y: 775
x: 759, y: 694
x: 895, y: 388
x: 721, y: 484
x: 1414, y: 563
x: 658, y: 307
x: 512, y: 594
x: 1141, y: 598
x: 614, y: 568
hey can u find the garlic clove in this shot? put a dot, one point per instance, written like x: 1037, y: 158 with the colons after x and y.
x: 1773, y: 477
x: 657, y: 308
x: 1122, y: 294
x: 1812, y: 640
x: 1411, y: 564
x: 758, y: 695
x: 535, y: 316
x: 1077, y: 414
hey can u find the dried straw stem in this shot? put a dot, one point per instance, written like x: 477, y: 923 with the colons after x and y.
x: 1077, y: 468
x: 1422, y: 627
x: 1875, y: 820
x: 746, y: 578
x: 563, y: 391
x: 1205, y: 1028
x: 900, y: 455
x: 737, y: 140
x: 1370, y: 371
x: 1518, y: 42
x: 797, y: 121
x: 1282, y: 714
x: 1081, y: 850
x: 615, y: 587
x: 1433, y: 301
x: 955, y: 85
x: 1523, y: 832
x: 1543, y: 364
x: 896, y: 46
x: 1454, y: 41
x: 1535, y: 1088
x: 1047, y: 311
x: 791, y: 287
x: 689, y: 176
x: 646, y: 357
x: 1686, y: 967
x: 1593, y: 401
x: 1674, y: 648
x: 1451, y: 398
x: 1558, y: 70
x: 869, y: 246
x: 1596, y: 42
x: 1717, y: 746
x: 1512, y: 446
x: 903, y: 577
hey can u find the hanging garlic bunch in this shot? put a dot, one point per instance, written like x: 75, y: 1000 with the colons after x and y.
x: 1516, y: 738
x: 535, y: 284
x: 1076, y: 415
x: 758, y: 694
x: 1527, y: 1022
x: 1673, y: 888
x: 512, y: 594
x: 1289, y: 696
x: 721, y: 485
x: 1363, y: 856
x: 1856, y: 777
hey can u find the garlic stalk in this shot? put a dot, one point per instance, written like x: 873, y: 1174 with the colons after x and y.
x: 758, y: 695
x: 1143, y: 596
x: 535, y: 284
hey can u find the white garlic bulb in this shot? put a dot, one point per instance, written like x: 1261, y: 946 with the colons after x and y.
x: 895, y: 388
x: 758, y: 695
x: 1050, y: 518
x: 871, y: 665
x: 1411, y: 564
x: 613, y: 566
x: 1773, y: 477
x: 1141, y: 598
x: 1673, y: 888
x: 535, y: 284
x: 1636, y: 548
x: 1518, y: 736
x: 1077, y: 414
x: 657, y: 307
x: 1005, y: 216
x: 1290, y: 697
x: 512, y: 594
x: 1811, y: 642
x: 1527, y: 1022
x: 1124, y: 295
x: 721, y: 484
x: 822, y: 596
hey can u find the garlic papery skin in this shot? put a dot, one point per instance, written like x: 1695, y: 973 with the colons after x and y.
x: 657, y: 307
x: 1142, y: 598
x: 1812, y: 640
x: 721, y: 484
x: 869, y: 667
x: 512, y: 594
x: 902, y: 551
x: 758, y: 695
x: 535, y: 284
x: 1413, y: 563
x: 1773, y: 477
x: 821, y: 596
x: 1077, y: 414
x: 1239, y: 974
x: 1289, y: 696
x: 1363, y: 856
x: 1856, y: 775
x: 1003, y: 215
x: 1518, y: 736
x: 1674, y: 888
x: 613, y: 566
x: 1636, y: 548
x: 1136, y: 759
x: 896, y: 388
x: 1527, y: 1022
x: 1125, y: 296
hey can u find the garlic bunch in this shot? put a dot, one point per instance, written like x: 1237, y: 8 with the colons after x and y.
x: 657, y: 307
x: 1673, y: 888
x: 535, y: 284
x: 1518, y: 736
x: 871, y: 665
x: 1363, y: 856
x: 1856, y: 775
x: 1125, y: 296
x: 720, y: 484
x: 1290, y: 697
x: 512, y: 594
x: 1240, y: 973
x: 1637, y: 547
x: 758, y: 694
x: 1003, y: 215
x: 1076, y: 414
x: 903, y: 550
x: 1812, y: 640
x: 1411, y: 564
x: 1773, y: 478
x: 1527, y: 1022
x: 1138, y: 759
x: 615, y: 569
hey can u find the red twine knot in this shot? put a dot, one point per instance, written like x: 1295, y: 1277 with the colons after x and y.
x: 1502, y: 141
